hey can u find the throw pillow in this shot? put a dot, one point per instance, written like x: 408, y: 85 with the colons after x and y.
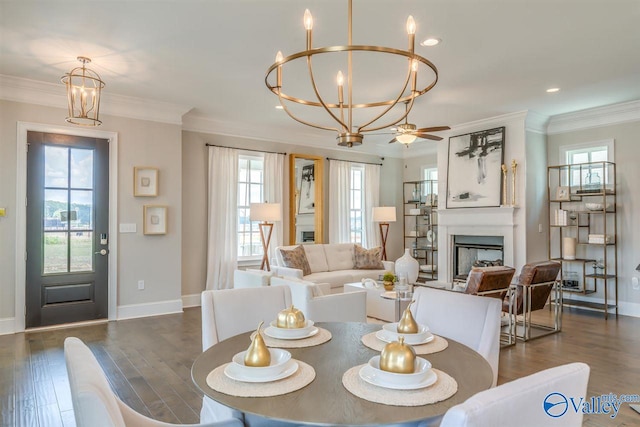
x: 368, y: 259
x: 296, y: 258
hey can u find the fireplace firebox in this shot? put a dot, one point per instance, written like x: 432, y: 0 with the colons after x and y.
x: 475, y: 251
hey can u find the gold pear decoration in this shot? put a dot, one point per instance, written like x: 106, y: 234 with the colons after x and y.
x: 407, y: 324
x: 398, y: 357
x: 291, y: 318
x: 257, y: 354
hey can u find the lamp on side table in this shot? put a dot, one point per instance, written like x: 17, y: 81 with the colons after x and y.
x: 268, y: 213
x: 384, y: 215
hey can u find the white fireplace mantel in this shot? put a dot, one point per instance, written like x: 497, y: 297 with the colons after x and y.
x: 498, y: 221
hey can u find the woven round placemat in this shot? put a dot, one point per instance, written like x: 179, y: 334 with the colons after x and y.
x: 438, y: 344
x: 218, y: 381
x: 320, y: 338
x: 444, y: 388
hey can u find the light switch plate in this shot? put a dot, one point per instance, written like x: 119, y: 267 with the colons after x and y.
x: 128, y: 228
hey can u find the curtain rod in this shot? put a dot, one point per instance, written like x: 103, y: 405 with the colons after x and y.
x: 244, y: 149
x: 353, y: 161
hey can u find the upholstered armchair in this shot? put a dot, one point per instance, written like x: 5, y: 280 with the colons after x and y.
x: 535, y: 283
x: 319, y: 305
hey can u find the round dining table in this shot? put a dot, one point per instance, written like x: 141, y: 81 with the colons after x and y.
x: 325, y: 401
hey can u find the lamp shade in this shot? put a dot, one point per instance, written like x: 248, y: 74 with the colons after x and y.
x: 265, y: 212
x: 384, y: 214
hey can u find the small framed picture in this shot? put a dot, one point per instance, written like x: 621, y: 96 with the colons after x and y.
x: 563, y: 193
x: 155, y: 219
x: 145, y: 181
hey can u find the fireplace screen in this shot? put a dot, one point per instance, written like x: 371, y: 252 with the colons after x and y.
x: 475, y: 251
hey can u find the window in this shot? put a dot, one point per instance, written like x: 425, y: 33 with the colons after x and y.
x: 600, y: 151
x: 250, y: 190
x: 430, y: 173
x: 356, y: 203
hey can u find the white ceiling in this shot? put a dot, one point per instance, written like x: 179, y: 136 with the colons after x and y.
x: 497, y: 56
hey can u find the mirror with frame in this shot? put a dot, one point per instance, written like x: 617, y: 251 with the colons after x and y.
x: 305, y: 199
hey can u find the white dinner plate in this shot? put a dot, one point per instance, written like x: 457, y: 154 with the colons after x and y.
x: 368, y: 374
x: 232, y: 371
x: 277, y: 333
x: 385, y: 336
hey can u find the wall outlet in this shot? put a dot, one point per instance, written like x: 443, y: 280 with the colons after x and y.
x: 141, y: 285
x: 635, y: 284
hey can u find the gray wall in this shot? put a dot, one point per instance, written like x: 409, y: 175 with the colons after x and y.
x: 194, y: 195
x: 627, y: 158
x: 536, y: 196
x: 155, y: 259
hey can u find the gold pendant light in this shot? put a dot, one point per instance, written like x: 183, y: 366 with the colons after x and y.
x: 341, y: 111
x: 83, y: 94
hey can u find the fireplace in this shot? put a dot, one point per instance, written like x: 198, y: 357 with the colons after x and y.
x: 475, y: 251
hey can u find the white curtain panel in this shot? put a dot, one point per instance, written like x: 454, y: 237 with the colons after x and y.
x: 371, y: 235
x: 222, y: 253
x: 273, y: 185
x: 339, y: 178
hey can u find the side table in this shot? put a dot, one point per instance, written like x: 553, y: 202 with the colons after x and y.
x: 377, y: 307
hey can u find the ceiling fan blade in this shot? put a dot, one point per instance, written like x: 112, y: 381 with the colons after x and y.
x: 427, y: 136
x: 393, y: 140
x: 433, y: 129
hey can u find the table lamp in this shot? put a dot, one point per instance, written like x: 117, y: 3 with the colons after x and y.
x: 384, y: 215
x: 268, y: 213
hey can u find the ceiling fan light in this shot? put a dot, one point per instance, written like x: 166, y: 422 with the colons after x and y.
x: 406, y: 138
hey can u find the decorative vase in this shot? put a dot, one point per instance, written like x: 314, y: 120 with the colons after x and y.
x: 408, y: 265
x: 388, y: 286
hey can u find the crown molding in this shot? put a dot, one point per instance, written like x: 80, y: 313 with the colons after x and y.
x: 53, y: 95
x: 595, y: 117
x: 536, y: 122
x: 318, y: 139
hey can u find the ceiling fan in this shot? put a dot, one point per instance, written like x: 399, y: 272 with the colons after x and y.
x: 406, y: 132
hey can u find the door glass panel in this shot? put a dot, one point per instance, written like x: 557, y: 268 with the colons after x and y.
x: 81, y: 168
x: 55, y: 253
x: 56, y: 166
x: 81, y: 251
x: 55, y: 210
x: 81, y: 209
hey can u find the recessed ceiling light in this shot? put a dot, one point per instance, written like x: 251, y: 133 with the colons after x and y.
x: 553, y: 89
x: 279, y: 107
x: 431, y: 41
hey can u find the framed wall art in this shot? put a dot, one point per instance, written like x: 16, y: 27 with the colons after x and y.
x: 307, y: 190
x: 155, y: 219
x: 145, y: 181
x: 474, y: 169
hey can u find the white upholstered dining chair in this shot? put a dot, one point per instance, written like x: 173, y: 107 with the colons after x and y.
x: 538, y: 400
x: 95, y: 404
x: 469, y: 319
x: 229, y: 312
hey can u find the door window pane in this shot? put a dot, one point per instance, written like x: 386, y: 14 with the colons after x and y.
x: 55, y: 210
x: 81, y: 168
x: 56, y: 166
x: 55, y: 253
x: 81, y: 211
x: 81, y: 243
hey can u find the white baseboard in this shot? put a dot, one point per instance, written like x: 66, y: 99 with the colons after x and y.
x: 7, y: 325
x: 133, y: 311
x: 192, y: 300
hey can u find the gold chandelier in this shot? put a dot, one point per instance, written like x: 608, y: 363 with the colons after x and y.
x: 83, y: 94
x: 350, y: 134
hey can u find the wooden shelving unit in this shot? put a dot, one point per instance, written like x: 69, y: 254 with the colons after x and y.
x: 587, y: 193
x: 420, y: 204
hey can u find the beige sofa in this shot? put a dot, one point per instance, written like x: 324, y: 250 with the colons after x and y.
x: 330, y: 263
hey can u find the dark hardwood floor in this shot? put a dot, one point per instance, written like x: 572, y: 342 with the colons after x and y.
x: 148, y: 363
